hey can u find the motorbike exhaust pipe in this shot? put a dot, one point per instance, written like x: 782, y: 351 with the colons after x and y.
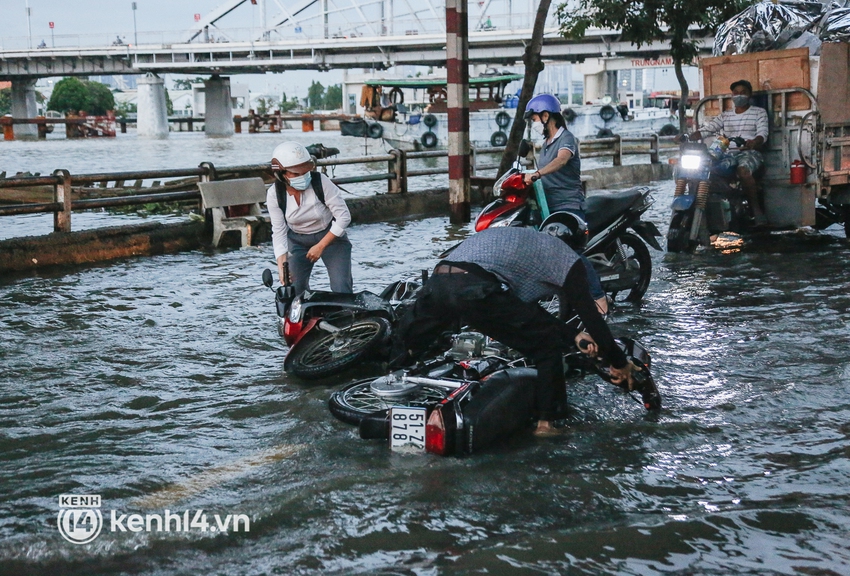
x: 699, y: 211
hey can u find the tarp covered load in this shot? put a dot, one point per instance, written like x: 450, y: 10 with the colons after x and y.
x: 785, y: 24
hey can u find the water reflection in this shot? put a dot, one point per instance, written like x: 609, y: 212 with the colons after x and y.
x: 157, y: 383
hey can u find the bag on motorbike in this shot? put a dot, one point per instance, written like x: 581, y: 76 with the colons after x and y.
x: 502, y: 405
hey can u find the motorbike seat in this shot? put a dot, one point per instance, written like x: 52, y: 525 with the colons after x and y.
x: 364, y: 300
x: 602, y: 209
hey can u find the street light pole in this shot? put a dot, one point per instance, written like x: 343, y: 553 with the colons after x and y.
x: 29, y: 24
x: 135, y: 33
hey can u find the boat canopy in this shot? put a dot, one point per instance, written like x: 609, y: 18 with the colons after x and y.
x: 441, y: 82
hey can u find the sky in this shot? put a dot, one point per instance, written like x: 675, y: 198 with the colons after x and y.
x: 156, y: 20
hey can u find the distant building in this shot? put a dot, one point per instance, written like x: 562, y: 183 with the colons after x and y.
x: 183, y: 102
x: 122, y: 82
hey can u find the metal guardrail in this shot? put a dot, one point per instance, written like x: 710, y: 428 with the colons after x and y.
x: 396, y: 176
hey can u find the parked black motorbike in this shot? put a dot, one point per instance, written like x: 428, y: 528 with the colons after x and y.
x: 466, y: 399
x: 708, y: 198
x: 620, y: 258
x: 328, y: 332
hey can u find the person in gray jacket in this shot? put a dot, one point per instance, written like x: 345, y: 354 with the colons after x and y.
x: 492, y: 281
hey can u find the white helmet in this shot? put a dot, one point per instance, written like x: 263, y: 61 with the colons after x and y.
x: 291, y: 154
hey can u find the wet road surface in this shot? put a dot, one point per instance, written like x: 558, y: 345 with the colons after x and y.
x: 157, y: 384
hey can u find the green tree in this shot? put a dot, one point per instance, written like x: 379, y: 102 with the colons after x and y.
x: 169, y: 105
x: 533, y: 67
x: 266, y: 105
x: 315, y: 95
x: 73, y: 95
x: 645, y: 21
x: 124, y: 109
x: 287, y: 105
x: 99, y: 98
x: 5, y: 101
x: 186, y: 84
x: 69, y: 95
x: 333, y: 97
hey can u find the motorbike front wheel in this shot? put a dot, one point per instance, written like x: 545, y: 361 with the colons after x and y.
x: 356, y: 401
x: 637, y: 266
x: 679, y: 233
x: 320, y: 353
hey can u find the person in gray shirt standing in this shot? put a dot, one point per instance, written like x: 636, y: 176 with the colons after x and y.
x: 559, y: 162
x: 492, y: 281
x: 560, y: 171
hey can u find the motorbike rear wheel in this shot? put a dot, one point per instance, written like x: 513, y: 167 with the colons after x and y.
x: 356, y: 401
x: 678, y: 235
x: 322, y: 354
x: 638, y: 264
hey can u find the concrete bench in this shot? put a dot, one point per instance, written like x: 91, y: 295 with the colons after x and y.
x: 235, y: 205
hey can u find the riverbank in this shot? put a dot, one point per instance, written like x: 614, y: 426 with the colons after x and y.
x: 32, y: 253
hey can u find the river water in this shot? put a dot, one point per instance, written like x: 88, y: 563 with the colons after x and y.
x: 156, y: 383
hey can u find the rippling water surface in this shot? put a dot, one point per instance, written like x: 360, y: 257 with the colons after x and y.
x: 157, y: 383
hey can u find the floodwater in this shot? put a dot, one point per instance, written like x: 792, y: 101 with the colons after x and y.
x: 156, y: 383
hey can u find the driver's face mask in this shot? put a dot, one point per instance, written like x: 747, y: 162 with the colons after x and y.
x: 537, y: 127
x: 740, y: 100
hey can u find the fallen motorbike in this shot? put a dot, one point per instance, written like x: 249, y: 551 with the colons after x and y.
x: 708, y: 198
x: 466, y: 399
x: 328, y: 332
x: 620, y: 258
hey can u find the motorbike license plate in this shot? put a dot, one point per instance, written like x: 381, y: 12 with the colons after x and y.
x: 407, y: 428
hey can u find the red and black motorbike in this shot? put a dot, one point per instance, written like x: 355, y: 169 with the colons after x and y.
x: 328, y: 332
x: 620, y: 257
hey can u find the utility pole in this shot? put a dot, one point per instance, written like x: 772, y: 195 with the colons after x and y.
x: 29, y: 25
x: 457, y: 69
x: 135, y: 33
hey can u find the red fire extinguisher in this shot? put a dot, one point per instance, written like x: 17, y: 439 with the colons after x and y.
x: 798, y: 172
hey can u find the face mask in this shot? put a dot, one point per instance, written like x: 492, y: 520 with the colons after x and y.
x: 537, y: 127
x: 741, y: 100
x: 301, y: 182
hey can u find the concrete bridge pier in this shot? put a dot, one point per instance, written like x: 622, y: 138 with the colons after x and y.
x: 24, y: 106
x: 218, y: 109
x: 152, y: 113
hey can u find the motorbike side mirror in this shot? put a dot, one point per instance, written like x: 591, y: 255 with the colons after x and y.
x: 268, y: 280
x: 524, y: 148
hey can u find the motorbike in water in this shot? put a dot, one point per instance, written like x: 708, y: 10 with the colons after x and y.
x: 329, y: 332
x: 708, y: 197
x: 619, y: 256
x: 466, y: 399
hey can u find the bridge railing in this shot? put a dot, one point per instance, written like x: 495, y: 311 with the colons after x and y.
x: 93, y: 191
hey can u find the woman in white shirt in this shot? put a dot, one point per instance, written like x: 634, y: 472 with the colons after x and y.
x: 309, y: 218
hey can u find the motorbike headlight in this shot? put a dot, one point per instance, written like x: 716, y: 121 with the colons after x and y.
x: 295, y: 310
x: 690, y: 161
x: 507, y: 221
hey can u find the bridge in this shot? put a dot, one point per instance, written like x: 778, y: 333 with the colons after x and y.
x: 301, y: 35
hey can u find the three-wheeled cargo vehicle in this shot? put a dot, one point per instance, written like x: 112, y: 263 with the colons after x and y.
x: 806, y: 175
